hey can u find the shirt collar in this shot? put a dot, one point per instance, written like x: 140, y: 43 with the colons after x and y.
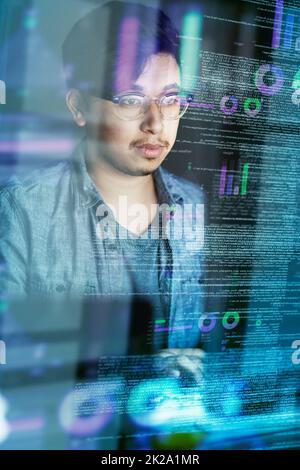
x: 85, y: 189
x: 88, y: 195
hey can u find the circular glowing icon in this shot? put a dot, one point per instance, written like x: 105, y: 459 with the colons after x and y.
x: 224, y: 104
x: 84, y: 411
x: 296, y: 97
x: 154, y: 402
x: 265, y: 89
x: 230, y: 315
x: 252, y: 106
x: 207, y: 322
x: 164, y: 403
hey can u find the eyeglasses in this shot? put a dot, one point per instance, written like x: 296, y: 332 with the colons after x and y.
x: 132, y: 105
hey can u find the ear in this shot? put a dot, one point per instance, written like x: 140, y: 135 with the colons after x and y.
x: 76, y: 105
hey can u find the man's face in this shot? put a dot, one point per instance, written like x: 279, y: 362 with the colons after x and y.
x: 120, y: 142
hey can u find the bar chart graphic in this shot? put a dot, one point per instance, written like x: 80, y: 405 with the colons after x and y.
x: 288, y: 33
x: 227, y: 177
x: 283, y: 28
x: 277, y: 24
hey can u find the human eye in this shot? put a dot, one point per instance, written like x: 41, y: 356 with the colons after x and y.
x: 171, y: 99
x: 130, y: 100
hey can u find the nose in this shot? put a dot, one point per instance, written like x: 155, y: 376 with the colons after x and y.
x: 152, y: 122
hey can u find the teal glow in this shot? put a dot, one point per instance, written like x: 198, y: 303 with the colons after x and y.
x: 152, y: 402
x: 3, y: 306
x: 163, y: 403
x: 296, y: 81
x: 30, y: 20
x: 191, y: 30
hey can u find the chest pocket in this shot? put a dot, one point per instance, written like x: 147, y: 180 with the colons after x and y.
x: 192, y: 273
x: 191, y: 289
x: 58, y: 288
x: 39, y: 287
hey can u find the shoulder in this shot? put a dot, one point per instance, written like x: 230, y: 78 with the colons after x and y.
x: 40, y: 187
x: 189, y: 192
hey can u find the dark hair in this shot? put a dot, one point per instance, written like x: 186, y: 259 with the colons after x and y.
x: 90, y: 50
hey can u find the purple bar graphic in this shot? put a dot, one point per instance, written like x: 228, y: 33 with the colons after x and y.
x: 229, y: 185
x: 32, y: 424
x: 202, y: 105
x: 223, y: 180
x: 36, y: 146
x: 277, y: 24
x: 186, y: 327
x: 127, y: 53
x: 206, y: 105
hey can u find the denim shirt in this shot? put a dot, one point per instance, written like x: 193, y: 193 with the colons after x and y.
x: 49, y: 244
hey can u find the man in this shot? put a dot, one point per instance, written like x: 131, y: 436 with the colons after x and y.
x: 61, y: 228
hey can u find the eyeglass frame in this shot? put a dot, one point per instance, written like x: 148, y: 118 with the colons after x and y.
x: 114, y: 98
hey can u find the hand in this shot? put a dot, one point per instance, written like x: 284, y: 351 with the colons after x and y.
x: 185, y: 364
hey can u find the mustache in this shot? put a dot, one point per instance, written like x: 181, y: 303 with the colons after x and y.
x: 147, y: 142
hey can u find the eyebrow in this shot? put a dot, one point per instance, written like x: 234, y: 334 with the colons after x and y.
x: 167, y: 87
